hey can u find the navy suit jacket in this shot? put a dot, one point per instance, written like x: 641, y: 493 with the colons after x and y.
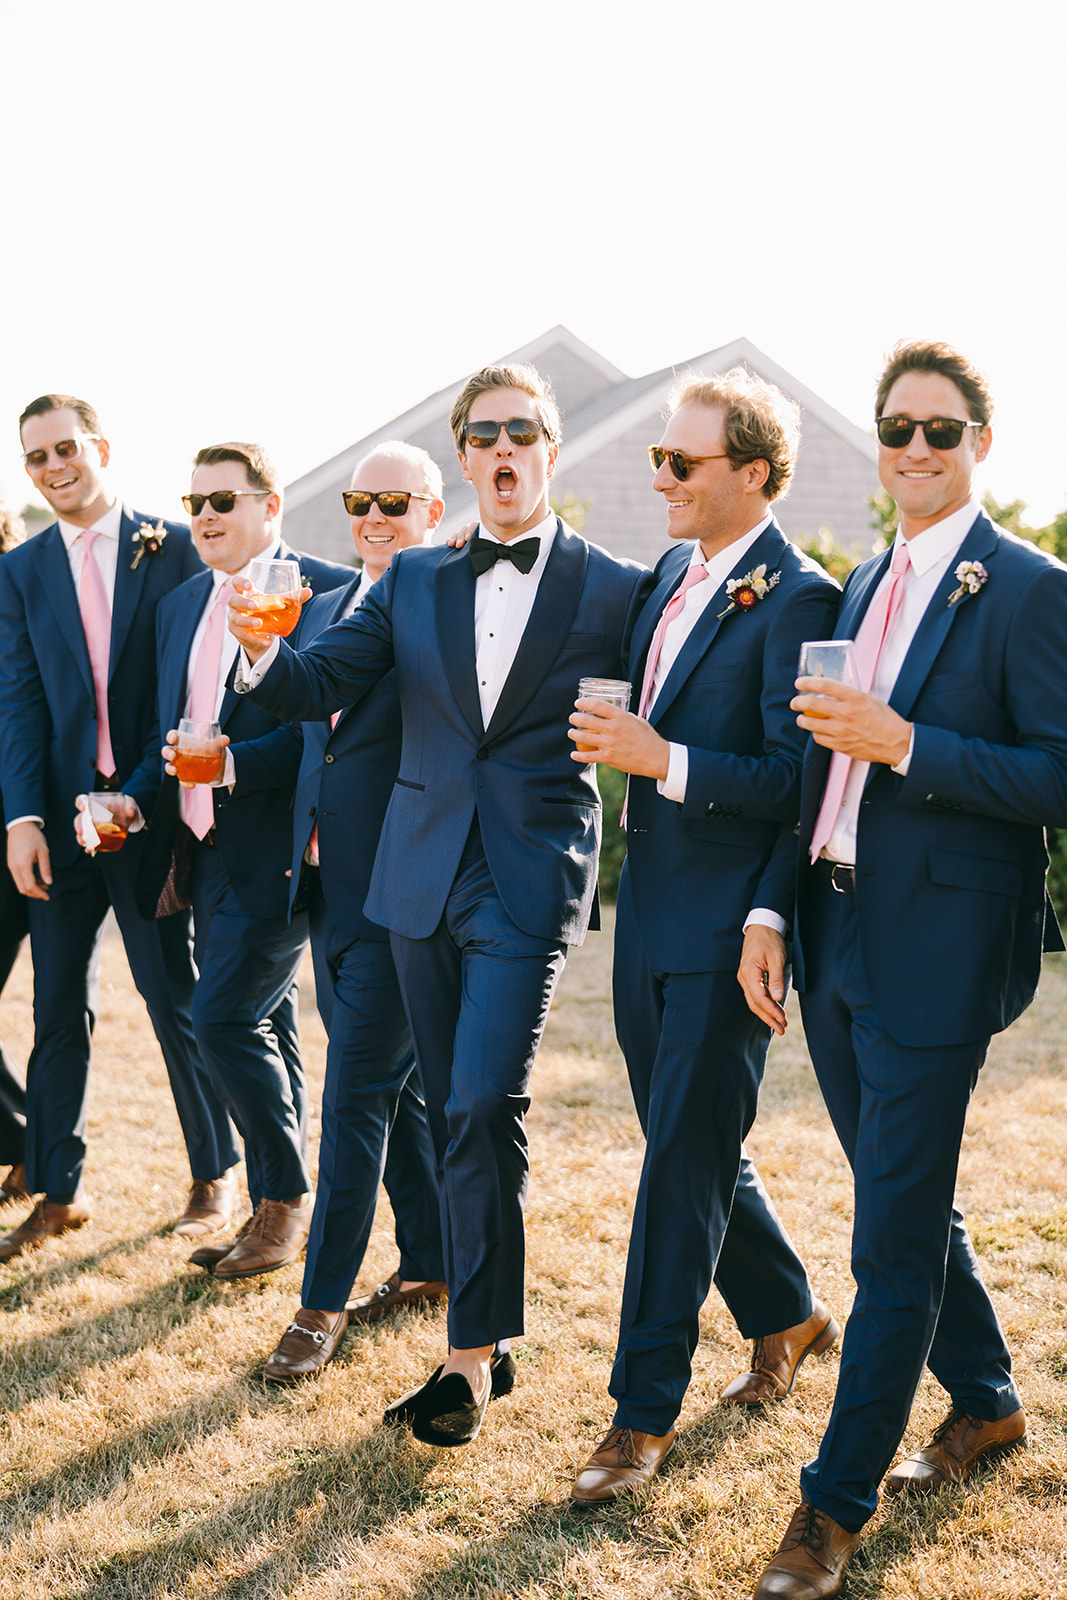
x: 346, y: 777
x: 697, y: 869
x: 950, y: 868
x: 47, y: 698
x: 253, y: 823
x: 539, y: 811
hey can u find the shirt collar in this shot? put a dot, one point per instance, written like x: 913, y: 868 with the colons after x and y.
x: 941, y: 540
x: 724, y: 561
x: 109, y: 525
x: 545, y: 531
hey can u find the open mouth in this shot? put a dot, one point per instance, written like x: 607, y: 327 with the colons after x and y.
x: 505, y: 482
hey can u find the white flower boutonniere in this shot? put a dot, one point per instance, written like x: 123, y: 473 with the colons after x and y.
x: 149, y: 541
x: 970, y: 575
x: 746, y: 592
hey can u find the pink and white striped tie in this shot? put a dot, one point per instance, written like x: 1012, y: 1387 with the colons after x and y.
x: 95, y: 611
x: 198, y: 804
x: 869, y: 641
x: 695, y: 574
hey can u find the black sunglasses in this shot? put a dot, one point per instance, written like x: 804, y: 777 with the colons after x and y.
x: 65, y: 449
x: 390, y: 502
x: 940, y: 433
x: 520, y: 430
x: 681, y: 465
x: 222, y: 500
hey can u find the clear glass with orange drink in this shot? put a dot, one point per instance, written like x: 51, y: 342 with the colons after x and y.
x: 275, y: 597
x: 198, y: 753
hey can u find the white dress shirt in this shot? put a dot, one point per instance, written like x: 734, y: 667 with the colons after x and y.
x: 930, y: 554
x: 503, y: 600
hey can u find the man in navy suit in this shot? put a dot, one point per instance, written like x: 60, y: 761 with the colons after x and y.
x: 75, y: 715
x: 486, y: 869
x: 715, y: 759
x: 373, y: 1115
x: 920, y: 921
x: 234, y: 849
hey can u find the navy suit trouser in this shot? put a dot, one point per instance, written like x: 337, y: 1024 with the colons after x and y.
x: 899, y: 1113
x: 477, y: 994
x: 65, y: 935
x: 13, y: 926
x: 374, y: 1123
x: 244, y: 1019
x: 695, y: 1056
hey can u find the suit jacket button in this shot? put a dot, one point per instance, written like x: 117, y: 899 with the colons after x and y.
x: 483, y: 755
x: 328, y: 760
x: 311, y: 811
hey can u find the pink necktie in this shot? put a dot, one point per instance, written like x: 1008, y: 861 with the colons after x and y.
x: 199, y: 803
x: 96, y: 621
x: 695, y: 574
x: 869, y: 641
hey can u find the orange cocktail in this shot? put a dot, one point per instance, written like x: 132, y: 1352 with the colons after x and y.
x: 278, y: 613
x: 195, y: 765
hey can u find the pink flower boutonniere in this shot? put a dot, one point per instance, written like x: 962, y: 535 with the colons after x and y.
x: 149, y: 541
x: 970, y: 575
x: 744, y: 593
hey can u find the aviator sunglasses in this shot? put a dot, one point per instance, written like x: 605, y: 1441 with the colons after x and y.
x: 221, y: 501
x: 940, y: 433
x: 520, y: 430
x: 681, y: 465
x: 65, y: 449
x: 391, y: 502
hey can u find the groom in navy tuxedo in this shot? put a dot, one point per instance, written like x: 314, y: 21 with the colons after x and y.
x: 487, y: 865
x: 920, y: 921
x: 715, y: 758
x: 77, y: 707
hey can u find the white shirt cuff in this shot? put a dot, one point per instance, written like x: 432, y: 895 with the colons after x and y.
x: 760, y: 917
x: 16, y: 820
x: 901, y: 767
x: 674, y: 785
x: 248, y: 674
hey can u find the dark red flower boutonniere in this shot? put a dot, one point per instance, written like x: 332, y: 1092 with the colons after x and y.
x: 744, y: 593
x: 149, y: 541
x: 970, y: 575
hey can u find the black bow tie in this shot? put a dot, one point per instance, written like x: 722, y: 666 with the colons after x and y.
x: 484, y: 553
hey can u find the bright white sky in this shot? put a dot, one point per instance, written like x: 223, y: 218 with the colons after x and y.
x: 253, y: 219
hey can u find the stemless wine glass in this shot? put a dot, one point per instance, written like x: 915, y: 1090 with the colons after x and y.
x: 611, y: 691
x: 829, y: 658
x: 275, y: 599
x: 111, y: 829
x: 196, y: 756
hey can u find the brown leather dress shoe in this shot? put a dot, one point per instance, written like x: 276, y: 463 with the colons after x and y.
x: 311, y: 1339
x: 209, y: 1255
x: 47, y: 1220
x: 776, y: 1360
x: 275, y: 1236
x: 810, y: 1562
x: 622, y: 1461
x: 13, y: 1190
x: 209, y: 1206
x: 389, y: 1297
x: 958, y: 1445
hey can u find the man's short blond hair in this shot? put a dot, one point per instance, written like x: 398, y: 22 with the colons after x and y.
x: 399, y: 450
x: 760, y: 423
x: 523, y: 377
x: 258, y: 465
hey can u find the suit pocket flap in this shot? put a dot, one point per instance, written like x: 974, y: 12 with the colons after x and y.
x: 975, y: 872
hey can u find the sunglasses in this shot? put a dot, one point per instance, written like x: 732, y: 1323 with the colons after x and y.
x: 65, y: 449
x: 520, y: 430
x: 940, y: 433
x: 222, y: 500
x: 391, y: 502
x: 681, y: 465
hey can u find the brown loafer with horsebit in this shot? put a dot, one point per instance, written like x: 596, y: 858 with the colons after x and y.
x: 389, y: 1297
x: 311, y: 1339
x: 776, y: 1359
x: 958, y: 1445
x: 810, y: 1562
x: 623, y: 1460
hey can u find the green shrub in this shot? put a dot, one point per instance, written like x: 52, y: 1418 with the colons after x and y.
x: 613, y: 849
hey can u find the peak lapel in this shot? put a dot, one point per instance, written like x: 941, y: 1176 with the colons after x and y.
x: 129, y: 586
x: 558, y: 595
x: 939, y: 616
x: 53, y: 571
x: 453, y: 598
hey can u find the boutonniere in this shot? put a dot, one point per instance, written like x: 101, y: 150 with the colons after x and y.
x: 149, y: 541
x: 970, y: 575
x: 744, y: 593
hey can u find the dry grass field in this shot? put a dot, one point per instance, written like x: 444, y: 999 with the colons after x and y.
x: 143, y: 1456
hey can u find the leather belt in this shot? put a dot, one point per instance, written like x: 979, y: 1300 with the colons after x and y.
x: 838, y: 876
x: 109, y: 785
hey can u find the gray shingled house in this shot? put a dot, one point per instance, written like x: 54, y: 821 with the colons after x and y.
x: 608, y: 421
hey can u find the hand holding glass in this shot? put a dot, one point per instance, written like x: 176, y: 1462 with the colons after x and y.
x: 111, y: 825
x: 275, y: 597
x: 611, y: 691
x: 198, y: 753
x: 829, y: 658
